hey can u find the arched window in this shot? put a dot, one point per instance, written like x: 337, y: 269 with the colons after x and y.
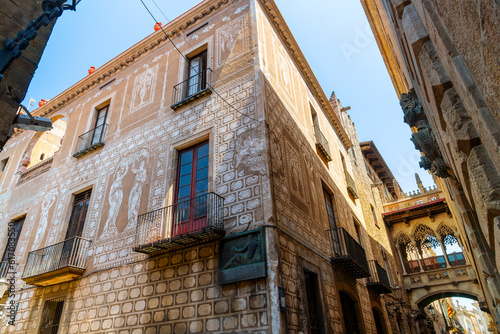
x: 48, y: 143
x: 451, y: 246
x: 409, y: 254
x: 429, y: 248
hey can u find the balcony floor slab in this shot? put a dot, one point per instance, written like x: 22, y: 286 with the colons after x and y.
x: 60, y: 275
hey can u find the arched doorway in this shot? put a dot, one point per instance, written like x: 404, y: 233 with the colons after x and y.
x: 379, y: 320
x: 350, y: 313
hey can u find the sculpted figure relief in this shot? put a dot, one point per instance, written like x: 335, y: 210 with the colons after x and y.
x: 246, y: 254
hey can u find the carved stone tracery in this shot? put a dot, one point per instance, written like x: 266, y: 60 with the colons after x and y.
x: 425, y: 237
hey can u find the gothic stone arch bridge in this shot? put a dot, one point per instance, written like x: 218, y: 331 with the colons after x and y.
x: 433, y: 259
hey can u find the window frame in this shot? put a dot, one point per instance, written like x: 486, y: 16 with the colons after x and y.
x: 80, y: 224
x: 5, y: 256
x: 102, y: 134
x: 57, y: 312
x: 201, y: 74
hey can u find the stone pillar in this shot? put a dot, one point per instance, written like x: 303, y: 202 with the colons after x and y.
x: 443, y: 248
x: 398, y: 248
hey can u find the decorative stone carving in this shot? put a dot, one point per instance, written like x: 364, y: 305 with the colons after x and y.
x: 423, y: 139
x: 412, y: 109
x: 242, y: 257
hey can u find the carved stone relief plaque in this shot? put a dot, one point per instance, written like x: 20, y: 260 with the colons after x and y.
x: 242, y: 257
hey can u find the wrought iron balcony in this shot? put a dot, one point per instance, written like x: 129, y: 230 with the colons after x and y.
x: 91, y: 140
x: 322, y: 143
x: 348, y: 254
x: 181, y: 224
x: 351, y: 185
x: 35, y: 170
x: 378, y: 280
x: 61, y: 262
x: 6, y: 269
x: 191, y: 89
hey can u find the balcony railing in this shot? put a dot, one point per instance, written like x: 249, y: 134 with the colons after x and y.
x: 348, y: 254
x: 57, y: 263
x: 378, y: 280
x: 322, y: 143
x: 36, y: 170
x: 181, y: 224
x: 351, y: 185
x: 91, y: 140
x: 191, y: 89
x: 6, y: 269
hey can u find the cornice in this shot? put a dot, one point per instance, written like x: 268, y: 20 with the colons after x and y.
x: 417, y: 211
x: 173, y: 29
x: 294, y: 49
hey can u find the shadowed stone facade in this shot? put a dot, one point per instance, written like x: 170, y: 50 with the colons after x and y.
x: 264, y: 160
x: 445, y: 55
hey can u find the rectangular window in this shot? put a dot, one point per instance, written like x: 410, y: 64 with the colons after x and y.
x: 313, y: 302
x: 314, y: 116
x: 78, y: 214
x: 191, y: 189
x: 13, y: 234
x: 330, y: 209
x: 374, y: 214
x: 357, y: 227
x: 197, y: 74
x: 51, y: 316
x: 100, y: 125
x: 3, y: 164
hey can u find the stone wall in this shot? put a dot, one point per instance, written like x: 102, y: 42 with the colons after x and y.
x: 171, y: 293
x: 448, y: 49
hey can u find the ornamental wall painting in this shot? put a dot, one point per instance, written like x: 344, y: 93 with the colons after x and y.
x: 231, y: 41
x: 125, y: 194
x: 144, y: 89
x: 297, y: 176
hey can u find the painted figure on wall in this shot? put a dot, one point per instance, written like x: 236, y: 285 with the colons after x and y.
x: 115, y: 199
x: 134, y: 199
x: 44, y: 217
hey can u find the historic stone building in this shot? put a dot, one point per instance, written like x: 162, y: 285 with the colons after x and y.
x: 213, y: 188
x: 442, y: 57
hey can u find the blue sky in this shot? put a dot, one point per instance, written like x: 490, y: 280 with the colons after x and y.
x: 334, y: 35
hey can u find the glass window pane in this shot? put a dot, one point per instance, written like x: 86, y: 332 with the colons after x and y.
x: 186, y: 157
x: 186, y: 169
x: 202, y: 174
x: 202, y: 163
x: 194, y: 66
x: 184, y: 191
x: 185, y: 180
x: 200, y: 210
x: 202, y: 151
x: 201, y: 186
